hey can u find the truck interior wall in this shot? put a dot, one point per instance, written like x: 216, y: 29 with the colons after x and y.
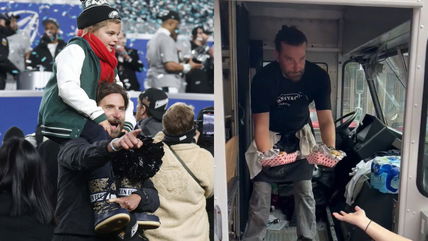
x: 331, y: 58
x: 320, y: 33
x: 244, y: 130
x: 362, y: 24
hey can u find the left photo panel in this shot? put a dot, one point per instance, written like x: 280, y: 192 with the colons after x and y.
x: 107, y: 124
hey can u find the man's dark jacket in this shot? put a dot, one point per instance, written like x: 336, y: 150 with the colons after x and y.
x: 42, y: 56
x: 76, y: 159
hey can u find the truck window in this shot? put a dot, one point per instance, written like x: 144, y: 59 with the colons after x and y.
x: 355, y: 94
x: 390, y: 77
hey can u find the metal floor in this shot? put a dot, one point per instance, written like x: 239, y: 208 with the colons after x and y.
x: 289, y: 234
x: 281, y: 231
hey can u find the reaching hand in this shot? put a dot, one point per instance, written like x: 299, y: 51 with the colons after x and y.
x: 357, y: 218
x: 127, y: 141
x: 374, y: 230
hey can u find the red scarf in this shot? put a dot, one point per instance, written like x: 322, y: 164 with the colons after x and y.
x: 108, y: 60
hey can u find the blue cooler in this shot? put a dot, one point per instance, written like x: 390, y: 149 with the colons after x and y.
x: 385, y: 174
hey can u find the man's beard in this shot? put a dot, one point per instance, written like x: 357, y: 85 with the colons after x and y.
x: 117, y: 126
x: 296, y: 76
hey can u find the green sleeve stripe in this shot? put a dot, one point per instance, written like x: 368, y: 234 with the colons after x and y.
x: 128, y: 126
x: 101, y: 118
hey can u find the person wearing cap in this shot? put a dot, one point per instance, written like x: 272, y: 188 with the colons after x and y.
x: 152, y: 104
x: 165, y: 68
x: 87, y: 61
x: 182, y: 196
x: 8, y: 27
x: 128, y: 64
x: 201, y: 80
x: 43, y: 55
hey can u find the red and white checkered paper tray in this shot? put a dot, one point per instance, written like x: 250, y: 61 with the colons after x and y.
x: 281, y: 159
x: 324, y: 156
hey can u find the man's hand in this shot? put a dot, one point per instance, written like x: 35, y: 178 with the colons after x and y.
x: 127, y: 141
x: 130, y: 202
x: 327, y: 128
x: 194, y: 65
x: 106, y: 125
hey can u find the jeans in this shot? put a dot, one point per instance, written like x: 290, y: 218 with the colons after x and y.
x: 260, y: 208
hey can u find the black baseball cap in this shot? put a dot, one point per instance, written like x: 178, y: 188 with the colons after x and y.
x: 156, y: 100
x: 8, y: 16
x: 170, y: 15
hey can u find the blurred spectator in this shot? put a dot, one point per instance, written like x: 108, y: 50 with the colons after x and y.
x: 162, y: 54
x: 184, y: 181
x: 19, y: 50
x: 19, y: 45
x: 128, y: 63
x: 24, y: 193
x: 43, y: 55
x: 201, y: 80
x: 151, y: 107
x: 8, y: 27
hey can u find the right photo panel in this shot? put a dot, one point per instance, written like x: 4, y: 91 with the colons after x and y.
x: 322, y: 139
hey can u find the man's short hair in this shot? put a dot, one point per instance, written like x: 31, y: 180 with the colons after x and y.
x: 50, y: 20
x: 178, y: 119
x: 289, y: 35
x: 105, y: 89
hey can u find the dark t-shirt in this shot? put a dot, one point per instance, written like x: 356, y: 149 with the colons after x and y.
x: 288, y: 101
x: 288, y: 105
